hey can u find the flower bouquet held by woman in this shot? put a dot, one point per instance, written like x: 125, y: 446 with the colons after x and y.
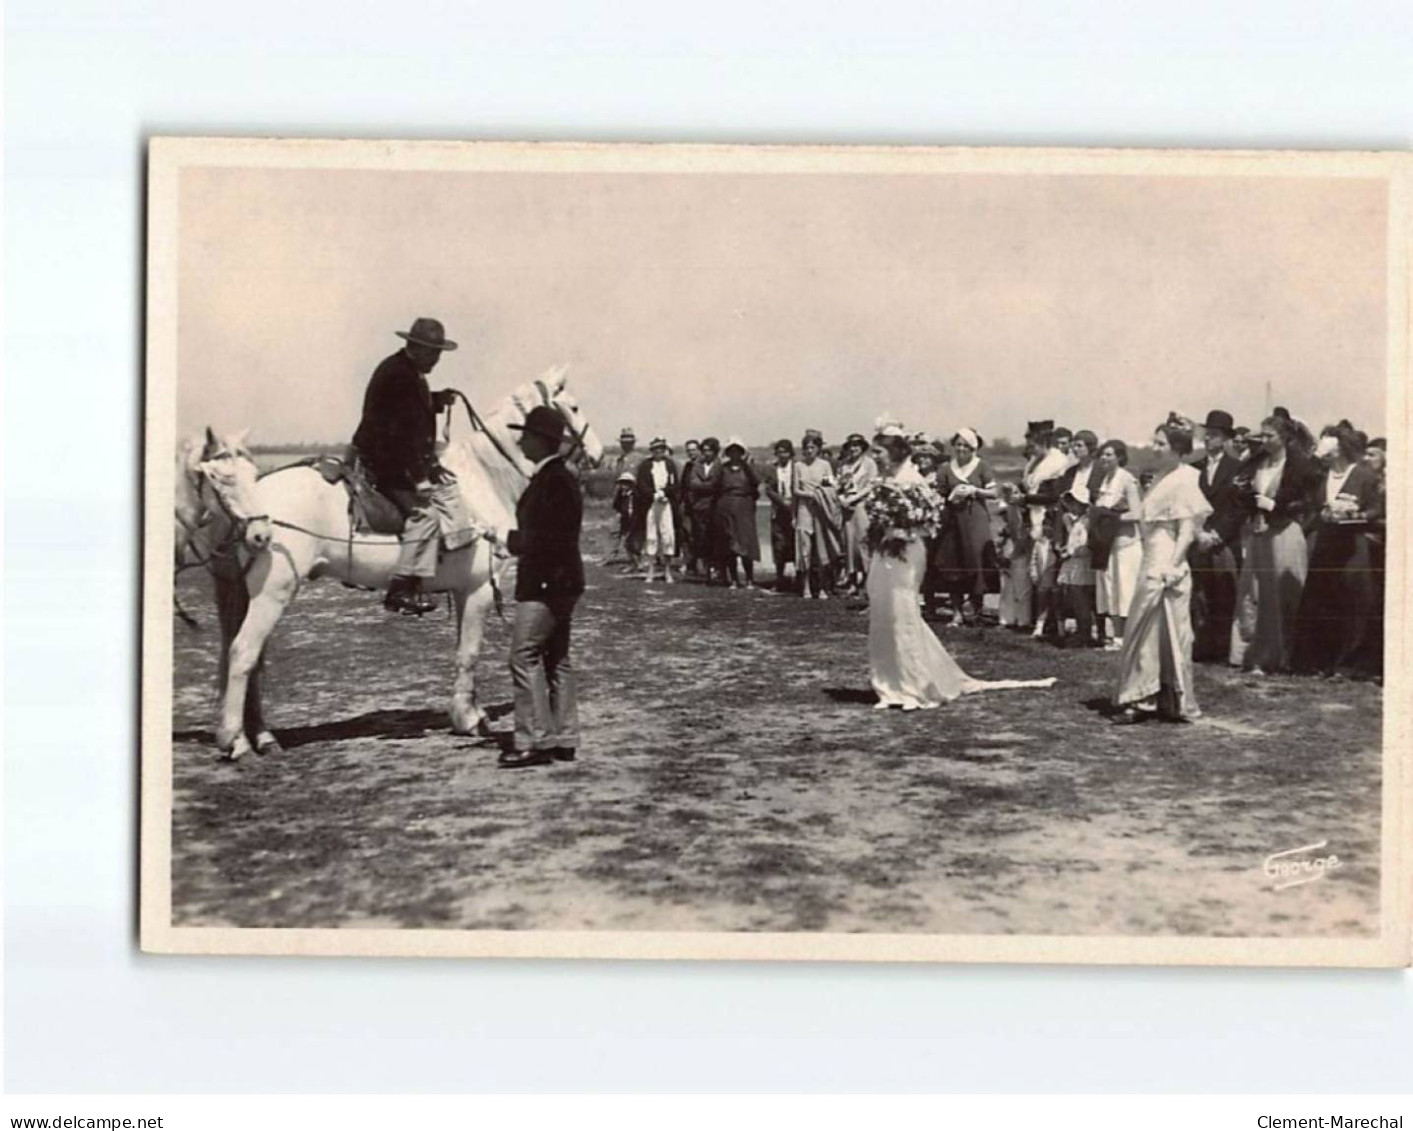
x: 901, y: 512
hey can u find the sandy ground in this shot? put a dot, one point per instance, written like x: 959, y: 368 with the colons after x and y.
x: 734, y: 776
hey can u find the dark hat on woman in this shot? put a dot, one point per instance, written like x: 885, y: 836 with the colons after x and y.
x: 813, y: 436
x: 784, y: 445
x: 856, y: 440
x: 1219, y: 421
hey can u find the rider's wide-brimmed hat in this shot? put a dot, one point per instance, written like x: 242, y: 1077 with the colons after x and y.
x: 542, y: 421
x: 427, y: 332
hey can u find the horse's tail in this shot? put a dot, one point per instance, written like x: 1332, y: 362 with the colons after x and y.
x: 232, y: 602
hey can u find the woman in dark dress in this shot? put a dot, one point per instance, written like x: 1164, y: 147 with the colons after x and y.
x: 1376, y: 460
x: 702, y: 483
x: 1336, y: 609
x: 686, y: 544
x: 736, y: 515
x: 966, y: 552
x: 1277, y: 491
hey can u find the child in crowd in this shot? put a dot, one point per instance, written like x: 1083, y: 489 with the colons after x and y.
x: 1076, y: 577
x: 1013, y: 556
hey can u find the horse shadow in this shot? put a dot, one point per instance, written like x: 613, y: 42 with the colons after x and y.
x: 387, y: 725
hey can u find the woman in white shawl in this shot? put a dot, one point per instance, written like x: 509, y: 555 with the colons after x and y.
x: 1155, y: 667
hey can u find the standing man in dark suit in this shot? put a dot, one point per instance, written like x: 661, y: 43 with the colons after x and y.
x: 397, y: 444
x: 1215, y: 556
x: 548, y: 582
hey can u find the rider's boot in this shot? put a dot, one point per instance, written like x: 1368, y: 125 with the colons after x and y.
x: 405, y: 596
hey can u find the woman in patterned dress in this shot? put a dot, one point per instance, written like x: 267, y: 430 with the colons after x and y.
x: 857, y: 474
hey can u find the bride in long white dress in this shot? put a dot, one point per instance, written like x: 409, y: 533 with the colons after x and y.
x: 909, y: 666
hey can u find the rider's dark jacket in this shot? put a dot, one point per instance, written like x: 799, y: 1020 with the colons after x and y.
x: 397, y: 436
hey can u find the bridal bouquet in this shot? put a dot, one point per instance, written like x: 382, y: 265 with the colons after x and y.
x: 899, y: 514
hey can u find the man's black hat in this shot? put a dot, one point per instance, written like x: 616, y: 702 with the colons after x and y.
x: 543, y: 421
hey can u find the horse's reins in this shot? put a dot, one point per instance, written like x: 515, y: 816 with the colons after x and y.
x: 229, y: 546
x: 479, y: 425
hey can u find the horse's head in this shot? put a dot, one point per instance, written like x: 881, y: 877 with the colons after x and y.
x: 223, y: 468
x: 551, y: 389
x: 188, y: 508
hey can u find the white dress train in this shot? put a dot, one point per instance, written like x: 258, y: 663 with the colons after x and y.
x: 909, y: 666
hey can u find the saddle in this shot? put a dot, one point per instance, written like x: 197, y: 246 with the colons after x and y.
x: 369, y: 510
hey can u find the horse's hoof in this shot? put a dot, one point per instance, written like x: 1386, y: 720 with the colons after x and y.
x: 230, y: 755
x: 267, y: 743
x: 467, y: 721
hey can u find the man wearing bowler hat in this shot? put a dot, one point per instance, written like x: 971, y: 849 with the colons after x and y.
x: 1215, y: 556
x: 397, y: 444
x: 548, y: 582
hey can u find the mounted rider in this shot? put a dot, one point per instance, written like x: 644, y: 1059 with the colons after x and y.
x: 396, y: 443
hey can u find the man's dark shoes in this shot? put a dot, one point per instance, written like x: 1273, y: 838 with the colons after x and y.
x: 522, y: 759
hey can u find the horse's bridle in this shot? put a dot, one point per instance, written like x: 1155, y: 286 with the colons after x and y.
x: 229, y: 546
x: 479, y: 425
x: 550, y: 402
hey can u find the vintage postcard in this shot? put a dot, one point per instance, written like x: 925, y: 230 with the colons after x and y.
x: 776, y: 553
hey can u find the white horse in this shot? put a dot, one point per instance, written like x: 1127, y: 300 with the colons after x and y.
x: 293, y: 526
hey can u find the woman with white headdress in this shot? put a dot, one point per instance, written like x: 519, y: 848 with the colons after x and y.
x: 908, y: 666
x: 966, y: 549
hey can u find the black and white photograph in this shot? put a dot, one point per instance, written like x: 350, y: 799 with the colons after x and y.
x: 776, y: 552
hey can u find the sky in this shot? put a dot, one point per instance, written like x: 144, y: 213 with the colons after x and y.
x: 688, y: 304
